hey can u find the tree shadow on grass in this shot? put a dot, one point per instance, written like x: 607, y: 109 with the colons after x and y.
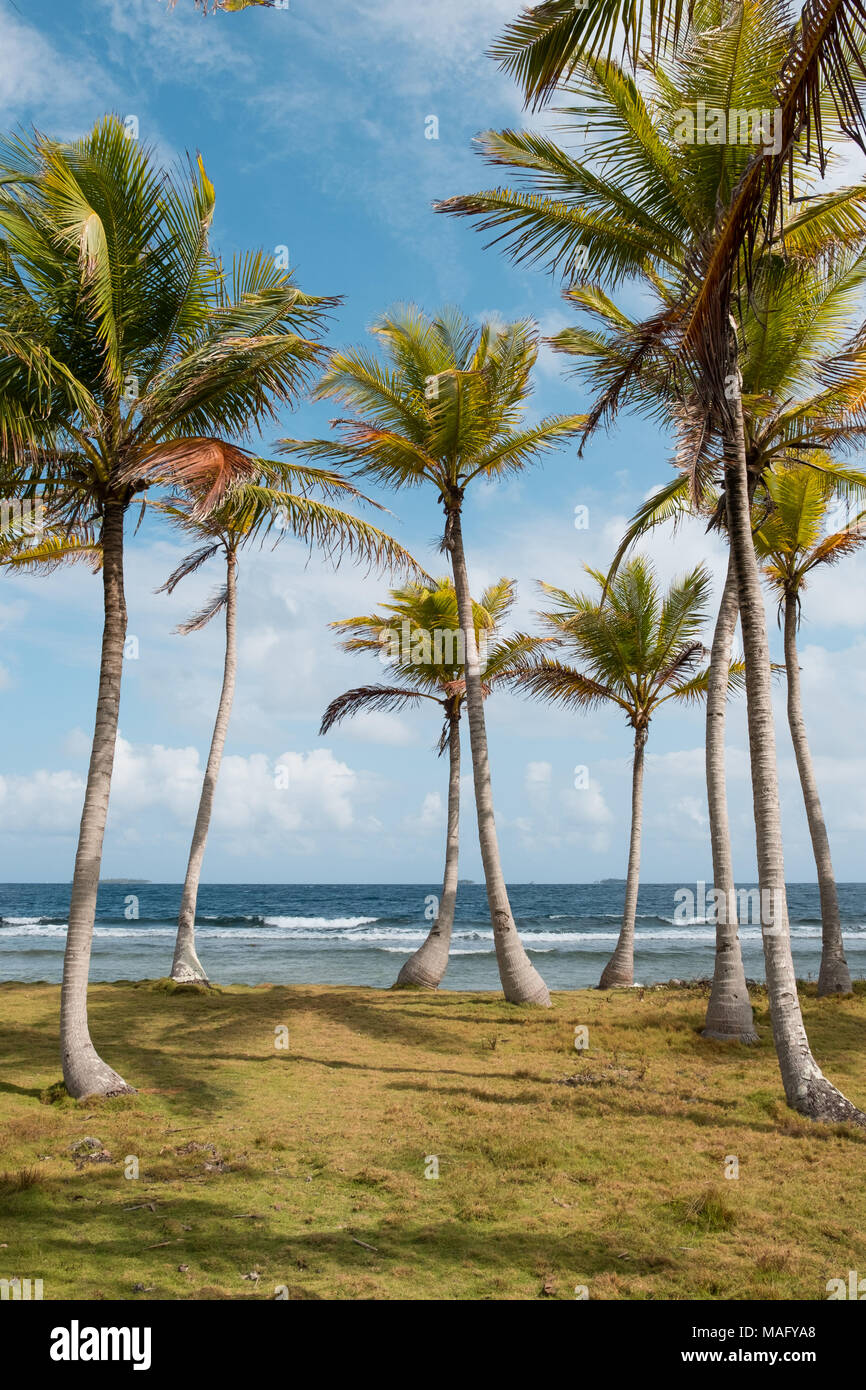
x: 220, y: 1251
x: 7, y: 1088
x: 470, y: 1092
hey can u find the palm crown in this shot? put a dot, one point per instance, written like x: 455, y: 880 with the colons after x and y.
x: 445, y: 407
x: 804, y: 380
x: 793, y: 539
x: 418, y: 635
x: 636, y: 647
x: 131, y: 353
x: 636, y: 197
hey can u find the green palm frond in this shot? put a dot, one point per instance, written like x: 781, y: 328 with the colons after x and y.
x: 50, y: 551
x: 562, y: 684
x: 631, y: 644
x: 444, y: 407
x: 128, y: 358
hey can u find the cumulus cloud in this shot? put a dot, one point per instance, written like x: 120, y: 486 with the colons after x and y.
x: 44, y: 803
x: 431, y: 816
x: 262, y: 804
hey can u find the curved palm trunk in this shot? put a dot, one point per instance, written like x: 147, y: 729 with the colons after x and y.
x: 521, y: 982
x: 426, y: 967
x: 729, y: 1012
x: 84, y: 1071
x: 834, y: 976
x: 186, y: 967
x: 620, y: 968
x: 806, y: 1088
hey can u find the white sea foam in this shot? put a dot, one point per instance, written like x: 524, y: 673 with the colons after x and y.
x: 360, y: 932
x: 325, y: 923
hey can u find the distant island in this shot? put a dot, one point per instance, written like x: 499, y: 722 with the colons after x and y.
x: 466, y: 880
x: 124, y: 880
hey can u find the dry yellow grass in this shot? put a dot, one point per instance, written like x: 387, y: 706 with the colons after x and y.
x: 263, y: 1168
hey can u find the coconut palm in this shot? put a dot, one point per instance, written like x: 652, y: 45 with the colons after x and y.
x: 636, y: 649
x: 231, y: 6
x: 128, y: 357
x: 792, y: 541
x: 795, y: 317
x: 274, y: 502
x: 446, y: 408
x: 823, y: 64
x: 418, y: 637
x: 631, y: 220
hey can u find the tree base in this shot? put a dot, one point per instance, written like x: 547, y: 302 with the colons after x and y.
x: 186, y: 968
x: 87, y: 1077
x: 731, y: 1035
x: 189, y: 977
x: 820, y: 1100
x: 729, y: 1013
x: 615, y: 975
x: 834, y: 978
x: 536, y: 996
x: 416, y: 974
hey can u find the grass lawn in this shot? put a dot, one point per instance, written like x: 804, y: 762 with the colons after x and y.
x: 263, y: 1167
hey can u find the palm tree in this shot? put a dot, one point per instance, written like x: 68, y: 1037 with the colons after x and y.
x: 252, y: 510
x: 231, y: 6
x: 820, y: 72
x: 447, y: 409
x: 128, y: 357
x: 796, y: 317
x: 791, y: 542
x: 637, y: 649
x: 695, y: 331
x: 418, y: 635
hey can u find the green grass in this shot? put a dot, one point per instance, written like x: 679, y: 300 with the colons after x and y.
x: 556, y: 1168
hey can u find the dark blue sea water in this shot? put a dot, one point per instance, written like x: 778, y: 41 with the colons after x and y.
x: 359, y: 934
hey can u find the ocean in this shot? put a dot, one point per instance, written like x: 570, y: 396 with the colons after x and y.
x: 359, y: 934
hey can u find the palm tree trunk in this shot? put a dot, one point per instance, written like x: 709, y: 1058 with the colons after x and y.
x: 729, y: 1012
x: 521, y: 982
x: 84, y: 1071
x: 806, y: 1088
x: 425, y: 967
x: 186, y: 967
x: 620, y: 968
x: 834, y: 976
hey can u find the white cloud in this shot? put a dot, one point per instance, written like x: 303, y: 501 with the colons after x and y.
x: 431, y: 816
x: 47, y: 803
x: 538, y: 775
x: 261, y: 804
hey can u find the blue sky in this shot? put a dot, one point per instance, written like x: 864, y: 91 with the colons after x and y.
x: 311, y: 122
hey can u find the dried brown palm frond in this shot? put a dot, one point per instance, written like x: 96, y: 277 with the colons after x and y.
x: 189, y: 565
x: 369, y: 698
x: 215, y: 604
x: 206, y: 467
